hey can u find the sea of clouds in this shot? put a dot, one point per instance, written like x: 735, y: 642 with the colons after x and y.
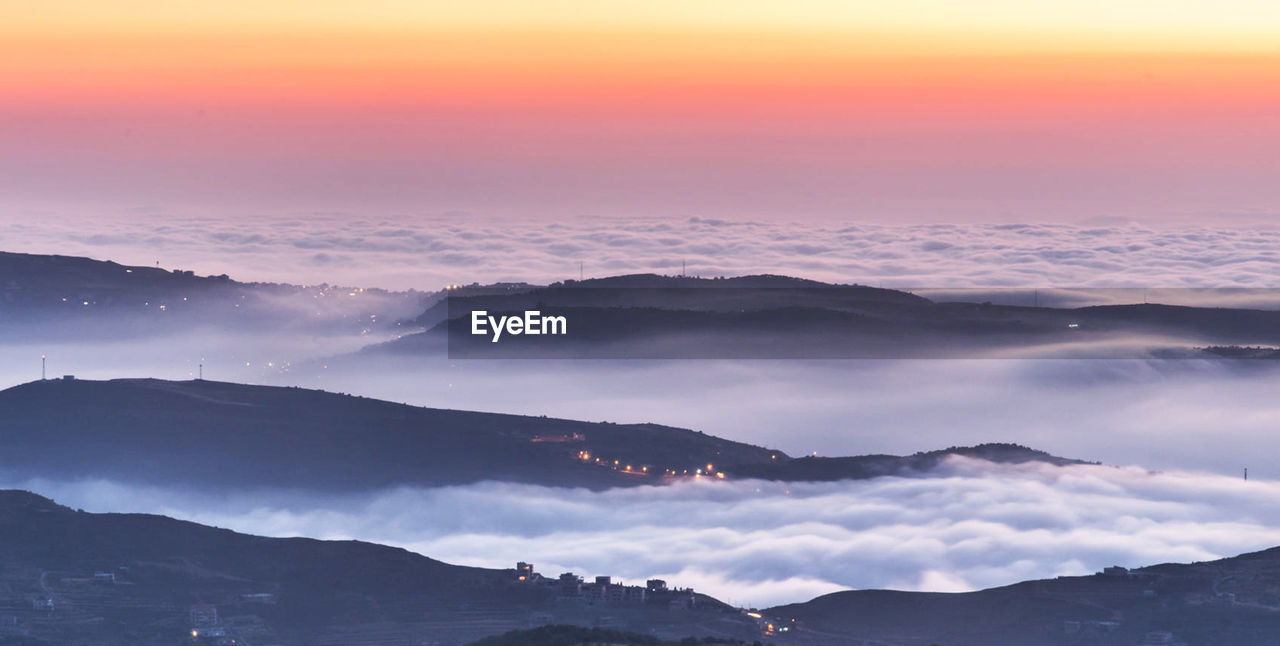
x: 751, y: 543
x: 429, y: 252
x: 754, y: 543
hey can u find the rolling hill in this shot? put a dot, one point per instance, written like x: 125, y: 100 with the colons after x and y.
x: 1229, y: 601
x: 70, y: 577
x: 51, y: 297
x: 205, y: 433
x: 768, y: 317
x: 214, y: 434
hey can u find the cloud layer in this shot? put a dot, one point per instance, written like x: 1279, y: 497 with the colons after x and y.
x: 429, y: 252
x: 758, y: 543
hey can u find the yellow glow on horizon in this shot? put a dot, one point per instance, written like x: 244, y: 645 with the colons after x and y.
x: 969, y: 25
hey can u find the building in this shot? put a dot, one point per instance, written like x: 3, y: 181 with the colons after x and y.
x: 569, y: 585
x: 655, y: 585
x: 204, y: 614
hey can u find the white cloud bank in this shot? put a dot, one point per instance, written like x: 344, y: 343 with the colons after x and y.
x: 759, y: 543
x: 429, y: 252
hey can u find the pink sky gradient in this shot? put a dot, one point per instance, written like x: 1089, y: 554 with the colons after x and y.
x: 813, y: 111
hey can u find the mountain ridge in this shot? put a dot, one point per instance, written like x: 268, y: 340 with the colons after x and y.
x: 210, y: 433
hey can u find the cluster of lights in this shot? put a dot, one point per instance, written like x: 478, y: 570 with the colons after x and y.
x: 768, y: 626
x: 617, y: 465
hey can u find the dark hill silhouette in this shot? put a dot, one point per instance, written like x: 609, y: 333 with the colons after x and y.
x: 130, y: 579
x: 116, y: 579
x: 872, y: 466
x: 1228, y: 601
x: 66, y: 297
x: 669, y: 317
x: 206, y: 433
x: 664, y: 293
x: 172, y: 564
x: 213, y: 433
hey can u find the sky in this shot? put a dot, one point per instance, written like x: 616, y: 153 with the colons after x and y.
x: 918, y: 143
x: 917, y: 111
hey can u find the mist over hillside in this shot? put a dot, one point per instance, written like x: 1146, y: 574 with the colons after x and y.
x: 63, y: 299
x: 212, y: 434
x: 206, y: 433
x: 72, y: 577
x: 113, y: 579
x: 773, y: 317
x: 534, y: 509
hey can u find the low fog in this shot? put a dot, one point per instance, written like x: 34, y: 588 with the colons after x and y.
x: 1179, y: 414
x: 1214, y: 416
x: 757, y: 543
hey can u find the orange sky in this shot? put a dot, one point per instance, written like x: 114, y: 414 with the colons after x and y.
x: 618, y: 100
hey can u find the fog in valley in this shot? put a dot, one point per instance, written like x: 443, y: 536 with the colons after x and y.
x: 970, y: 525
x: 1173, y: 436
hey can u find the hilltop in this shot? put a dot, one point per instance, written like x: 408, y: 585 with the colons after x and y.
x: 70, y: 577
x: 114, y: 579
x: 215, y: 433
x: 671, y: 317
x: 67, y: 297
x: 207, y: 433
x: 872, y: 466
x: 1229, y: 601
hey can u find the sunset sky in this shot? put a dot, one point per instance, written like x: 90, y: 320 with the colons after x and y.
x: 915, y: 111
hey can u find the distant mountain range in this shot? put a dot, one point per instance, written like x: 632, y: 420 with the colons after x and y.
x: 633, y: 316
x: 662, y: 317
x: 69, y: 577
x: 231, y: 435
